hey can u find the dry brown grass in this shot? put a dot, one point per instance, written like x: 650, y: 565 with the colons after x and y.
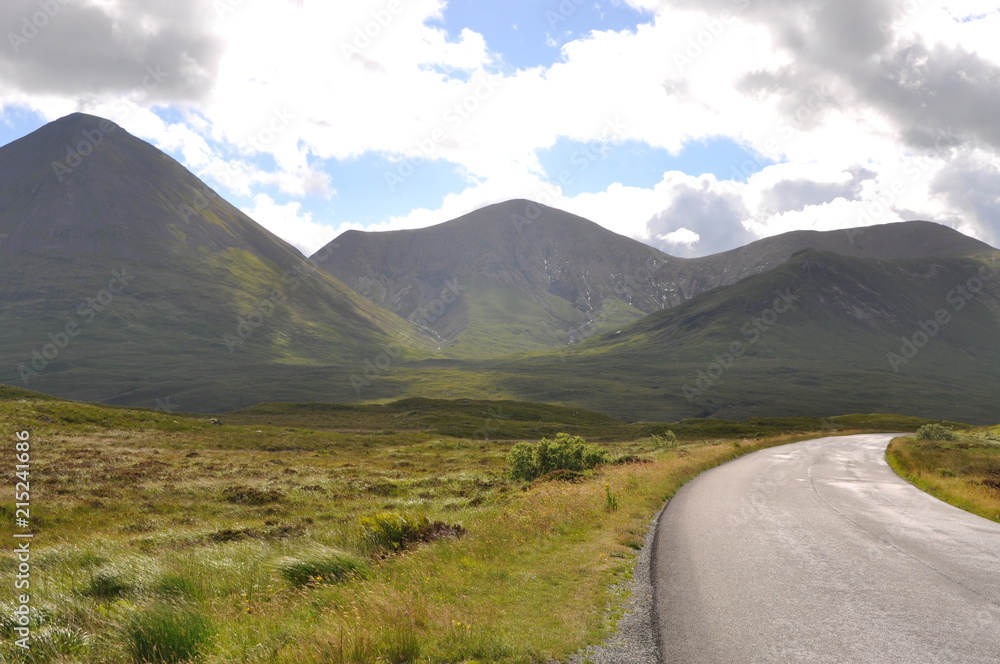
x: 964, y: 472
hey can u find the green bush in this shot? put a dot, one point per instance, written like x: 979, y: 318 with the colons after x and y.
x: 935, y: 432
x: 521, y: 460
x: 392, y: 531
x: 666, y: 438
x: 322, y: 567
x: 389, y: 531
x: 168, y: 633
x: 566, y: 452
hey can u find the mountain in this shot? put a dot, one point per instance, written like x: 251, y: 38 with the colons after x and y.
x: 125, y: 279
x: 820, y: 334
x: 510, y: 277
x: 520, y: 276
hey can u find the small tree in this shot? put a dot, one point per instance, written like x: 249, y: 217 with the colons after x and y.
x: 667, y: 439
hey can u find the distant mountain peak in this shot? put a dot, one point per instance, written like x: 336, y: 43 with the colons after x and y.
x: 205, y: 288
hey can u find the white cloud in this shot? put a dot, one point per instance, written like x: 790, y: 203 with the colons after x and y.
x: 682, y: 236
x: 849, y: 96
x: 290, y: 223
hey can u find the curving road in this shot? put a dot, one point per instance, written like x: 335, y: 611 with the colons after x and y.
x: 819, y: 552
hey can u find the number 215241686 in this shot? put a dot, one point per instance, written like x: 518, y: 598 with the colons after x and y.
x: 22, y: 490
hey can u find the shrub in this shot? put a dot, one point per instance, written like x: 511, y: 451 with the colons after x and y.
x: 630, y: 459
x: 570, y: 476
x: 521, y: 460
x: 168, y: 633
x: 566, y: 452
x: 666, y: 438
x: 387, y: 531
x: 327, y: 566
x: 935, y: 432
x: 392, y: 531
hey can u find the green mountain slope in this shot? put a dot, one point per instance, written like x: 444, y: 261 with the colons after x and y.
x: 523, y: 277
x: 820, y: 335
x: 125, y: 279
x: 516, y: 276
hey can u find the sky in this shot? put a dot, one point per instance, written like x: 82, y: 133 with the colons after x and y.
x: 694, y: 126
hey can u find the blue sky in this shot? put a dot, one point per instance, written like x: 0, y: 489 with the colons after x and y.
x: 323, y: 127
x: 530, y: 33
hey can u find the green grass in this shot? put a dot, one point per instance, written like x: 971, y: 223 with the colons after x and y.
x: 519, y: 420
x: 964, y: 472
x: 828, y: 355
x: 504, y: 321
x: 168, y: 633
x: 325, y: 566
x: 161, y: 535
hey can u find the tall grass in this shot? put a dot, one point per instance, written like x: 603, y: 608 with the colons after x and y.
x: 963, y: 471
x: 166, y: 633
x: 211, y: 573
x: 323, y: 566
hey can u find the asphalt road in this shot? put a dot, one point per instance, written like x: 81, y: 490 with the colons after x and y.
x: 819, y: 552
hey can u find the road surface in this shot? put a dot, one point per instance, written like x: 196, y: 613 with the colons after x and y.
x: 819, y: 552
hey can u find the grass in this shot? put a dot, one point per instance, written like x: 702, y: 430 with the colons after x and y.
x: 485, y: 420
x: 964, y: 472
x: 168, y: 633
x: 165, y: 537
x: 329, y: 566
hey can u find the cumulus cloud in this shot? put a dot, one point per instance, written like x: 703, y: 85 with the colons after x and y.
x: 796, y: 194
x: 971, y: 185
x: 891, y: 57
x: 716, y: 217
x: 290, y: 223
x: 873, y: 110
x: 165, y: 48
